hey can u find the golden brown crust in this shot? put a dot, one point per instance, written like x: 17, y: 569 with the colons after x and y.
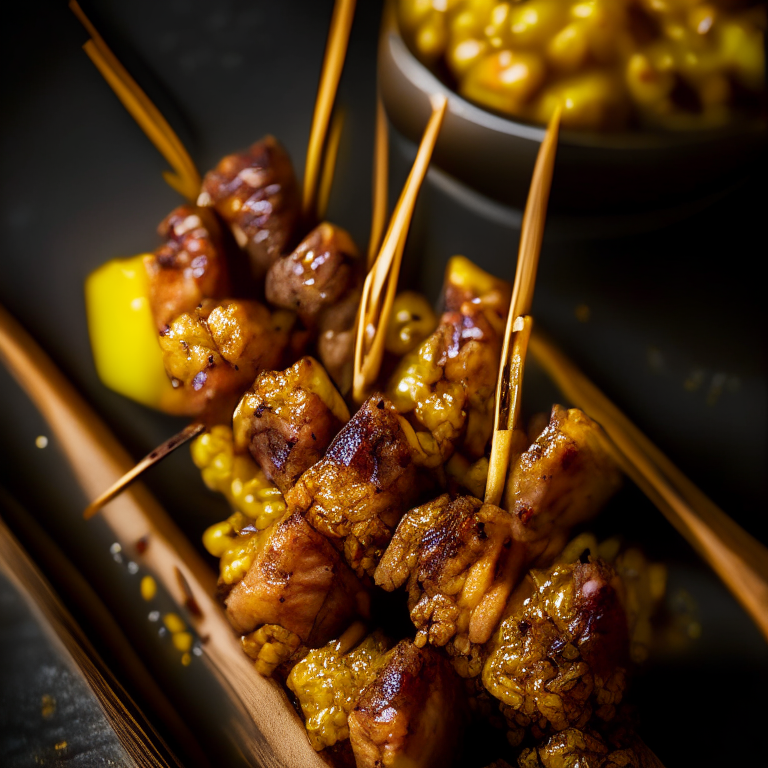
x: 561, y: 654
x: 446, y: 385
x: 328, y: 682
x: 296, y: 581
x: 256, y: 193
x: 589, y: 749
x: 321, y: 270
x: 356, y: 494
x: 322, y: 281
x: 562, y: 479
x: 460, y: 563
x: 190, y: 265
x: 284, y: 423
x: 413, y: 713
x: 214, y: 352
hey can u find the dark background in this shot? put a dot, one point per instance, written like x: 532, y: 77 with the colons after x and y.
x: 675, y: 333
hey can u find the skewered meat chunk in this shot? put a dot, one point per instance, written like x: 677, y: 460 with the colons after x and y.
x: 188, y: 267
x: 411, y: 714
x: 215, y: 351
x: 287, y: 420
x: 328, y: 682
x: 562, y: 479
x: 256, y: 193
x: 644, y: 582
x: 561, y: 654
x: 321, y: 281
x: 296, y: 588
x: 446, y: 385
x: 587, y: 749
x: 460, y: 562
x: 357, y: 493
x: 322, y: 269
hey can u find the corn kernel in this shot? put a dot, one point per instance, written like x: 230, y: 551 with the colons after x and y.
x: 239, y: 478
x: 708, y: 47
x: 410, y: 322
x: 218, y: 538
x: 148, y: 588
x: 182, y: 641
x: 174, y: 623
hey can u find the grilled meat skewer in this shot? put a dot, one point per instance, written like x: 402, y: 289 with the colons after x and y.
x: 460, y: 558
x: 255, y: 192
x: 287, y: 420
x: 188, y: 267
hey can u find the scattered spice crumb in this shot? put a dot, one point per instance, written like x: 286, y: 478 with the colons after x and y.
x: 655, y: 359
x: 182, y: 641
x: 61, y: 745
x: 48, y: 705
x: 695, y: 380
x: 142, y: 544
x: 189, y: 599
x: 148, y: 588
x: 583, y: 313
x: 174, y: 622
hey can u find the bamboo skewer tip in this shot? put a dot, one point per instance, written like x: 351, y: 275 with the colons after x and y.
x: 152, y: 458
x: 381, y: 282
x: 519, y: 322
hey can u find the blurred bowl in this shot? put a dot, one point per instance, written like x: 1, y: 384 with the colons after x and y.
x: 645, y: 175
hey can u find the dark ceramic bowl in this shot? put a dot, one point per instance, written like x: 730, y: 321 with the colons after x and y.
x: 642, y: 173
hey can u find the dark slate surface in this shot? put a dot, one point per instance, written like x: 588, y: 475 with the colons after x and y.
x: 48, y: 713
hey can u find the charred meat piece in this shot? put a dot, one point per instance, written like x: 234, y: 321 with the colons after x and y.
x: 189, y: 267
x: 297, y: 590
x: 256, y: 193
x: 561, y: 654
x: 460, y: 563
x: 321, y: 281
x: 215, y: 351
x: 328, y: 682
x: 323, y: 268
x: 562, y: 479
x: 412, y: 713
x: 288, y: 419
x: 446, y: 385
x: 357, y: 493
x: 466, y: 282
x: 644, y: 581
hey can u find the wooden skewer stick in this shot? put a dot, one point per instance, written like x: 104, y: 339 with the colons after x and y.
x: 185, y: 179
x: 329, y: 163
x: 375, y: 310
x: 333, y: 63
x: 267, y: 730
x: 152, y: 458
x: 380, y: 181
x: 737, y: 558
x: 519, y: 322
